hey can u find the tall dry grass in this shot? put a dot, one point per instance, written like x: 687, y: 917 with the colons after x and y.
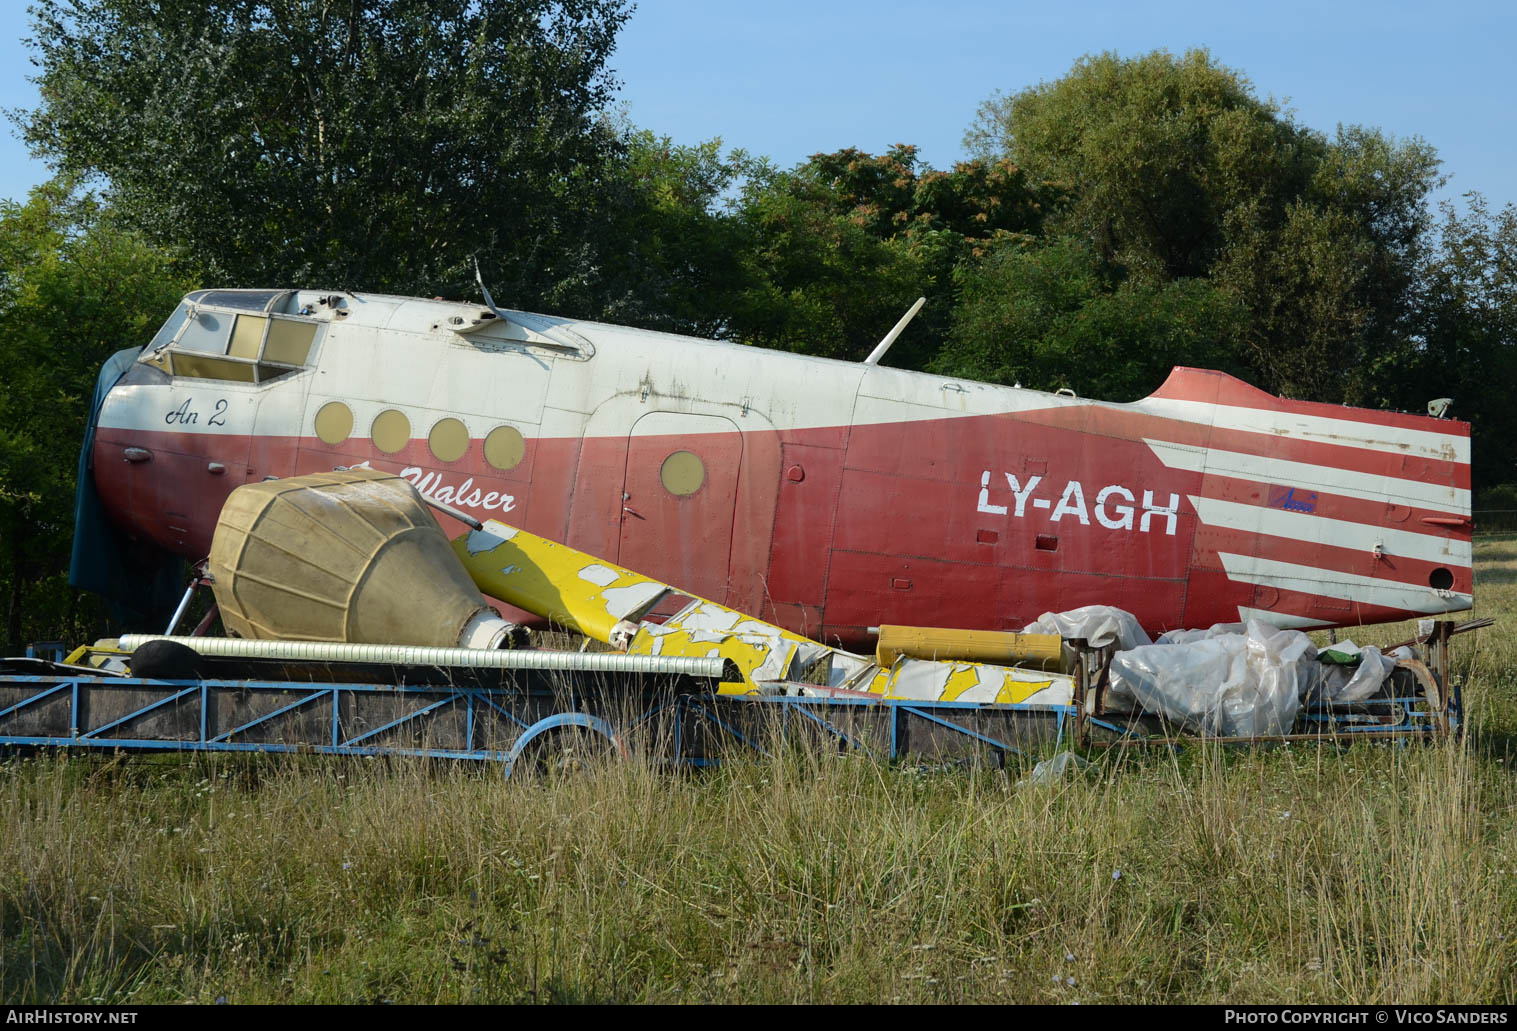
x: 1374, y: 873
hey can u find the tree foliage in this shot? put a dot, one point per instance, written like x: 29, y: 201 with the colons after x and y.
x: 1174, y: 169
x: 1465, y: 334
x: 668, y: 258
x: 366, y: 144
x: 1156, y: 153
x: 75, y: 287
x: 839, y: 247
x: 1047, y: 317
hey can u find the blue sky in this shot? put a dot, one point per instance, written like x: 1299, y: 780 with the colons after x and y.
x: 788, y: 79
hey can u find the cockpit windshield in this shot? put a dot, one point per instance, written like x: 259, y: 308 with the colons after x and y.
x: 245, y: 336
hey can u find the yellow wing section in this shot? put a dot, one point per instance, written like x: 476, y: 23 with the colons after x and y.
x: 606, y: 602
x: 603, y: 601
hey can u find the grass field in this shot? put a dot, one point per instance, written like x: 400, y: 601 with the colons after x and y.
x: 1289, y: 874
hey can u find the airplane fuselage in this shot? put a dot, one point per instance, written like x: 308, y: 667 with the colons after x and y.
x: 826, y: 496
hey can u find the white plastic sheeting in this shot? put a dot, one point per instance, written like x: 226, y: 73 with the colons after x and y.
x: 1233, y: 680
x: 1098, y: 625
x: 1339, y: 684
x: 1051, y: 771
x: 1229, y: 684
x: 1189, y: 636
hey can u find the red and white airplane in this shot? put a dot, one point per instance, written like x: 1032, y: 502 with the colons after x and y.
x: 825, y: 496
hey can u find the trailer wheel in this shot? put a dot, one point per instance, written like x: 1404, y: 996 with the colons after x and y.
x: 564, y: 746
x: 566, y: 753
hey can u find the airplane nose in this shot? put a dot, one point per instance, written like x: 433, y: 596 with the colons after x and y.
x: 136, y: 577
x: 111, y: 372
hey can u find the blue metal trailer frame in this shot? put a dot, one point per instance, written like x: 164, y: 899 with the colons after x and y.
x: 690, y: 723
x: 53, y: 711
x: 197, y: 695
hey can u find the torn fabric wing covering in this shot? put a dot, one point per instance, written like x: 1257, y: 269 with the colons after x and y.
x: 605, y: 601
x: 1231, y: 680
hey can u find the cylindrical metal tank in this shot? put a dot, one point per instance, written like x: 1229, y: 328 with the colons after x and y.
x: 344, y: 556
x: 1000, y: 646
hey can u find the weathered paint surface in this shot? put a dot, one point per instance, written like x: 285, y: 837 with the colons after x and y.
x: 993, y: 645
x: 833, y: 496
x: 606, y: 602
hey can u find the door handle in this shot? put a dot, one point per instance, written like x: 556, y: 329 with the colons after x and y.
x: 630, y: 512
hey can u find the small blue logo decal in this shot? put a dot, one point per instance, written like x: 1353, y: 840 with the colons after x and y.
x: 1289, y: 499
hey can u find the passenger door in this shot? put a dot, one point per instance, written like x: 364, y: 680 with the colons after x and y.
x: 678, y: 500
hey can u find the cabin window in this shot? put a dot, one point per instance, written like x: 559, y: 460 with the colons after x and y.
x: 505, y: 447
x: 200, y: 342
x: 240, y: 300
x: 206, y: 332
x: 289, y: 341
x: 390, y: 431
x: 210, y: 366
x: 448, y: 440
x: 334, y: 423
x: 247, y: 337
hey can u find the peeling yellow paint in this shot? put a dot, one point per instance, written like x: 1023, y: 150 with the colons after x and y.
x: 544, y: 578
x: 606, y: 602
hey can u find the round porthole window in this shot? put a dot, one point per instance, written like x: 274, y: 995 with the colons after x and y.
x: 504, y: 448
x: 448, y: 440
x: 683, y: 473
x: 334, y: 423
x: 391, y: 431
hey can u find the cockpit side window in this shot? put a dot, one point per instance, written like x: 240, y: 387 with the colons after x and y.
x: 205, y: 332
x: 170, y: 329
x: 204, y: 342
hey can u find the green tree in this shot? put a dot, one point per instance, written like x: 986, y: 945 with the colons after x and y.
x: 1332, y: 284
x: 1049, y: 317
x: 669, y: 258
x: 1174, y: 169
x: 839, y: 247
x: 1465, y: 334
x: 365, y: 144
x: 75, y: 286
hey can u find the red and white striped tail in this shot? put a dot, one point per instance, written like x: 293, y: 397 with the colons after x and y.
x: 1321, y: 507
